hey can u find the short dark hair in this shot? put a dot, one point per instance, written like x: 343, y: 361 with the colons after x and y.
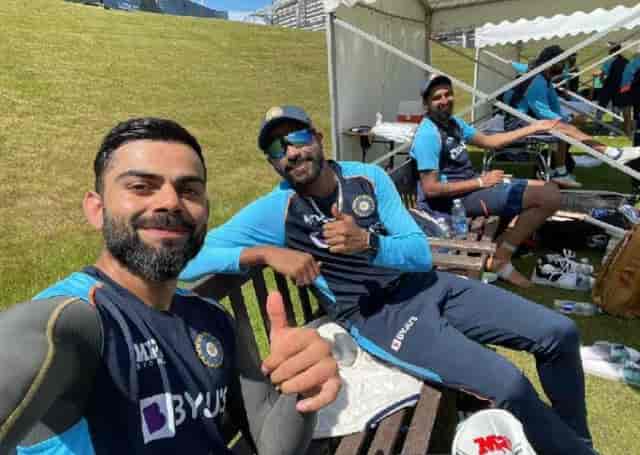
x: 137, y: 129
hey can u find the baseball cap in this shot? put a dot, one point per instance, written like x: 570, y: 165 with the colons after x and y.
x: 549, y: 53
x: 436, y: 79
x: 277, y: 115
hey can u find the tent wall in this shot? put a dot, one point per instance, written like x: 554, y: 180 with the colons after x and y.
x: 369, y: 79
x: 488, y: 81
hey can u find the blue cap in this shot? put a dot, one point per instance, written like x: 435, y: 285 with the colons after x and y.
x: 437, y: 79
x: 277, y: 115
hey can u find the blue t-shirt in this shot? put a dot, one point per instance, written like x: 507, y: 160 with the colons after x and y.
x: 629, y: 73
x: 540, y: 100
x: 348, y: 283
x: 427, y: 148
x: 450, y: 158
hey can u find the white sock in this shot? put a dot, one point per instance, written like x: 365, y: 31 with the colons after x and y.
x: 561, y: 170
x: 613, y: 152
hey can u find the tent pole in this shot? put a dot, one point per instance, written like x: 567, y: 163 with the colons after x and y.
x: 575, y: 95
x: 483, y: 96
x: 333, y: 85
x: 631, y: 17
x: 476, y: 74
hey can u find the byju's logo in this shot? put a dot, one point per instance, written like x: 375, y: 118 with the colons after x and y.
x: 148, y: 354
x: 157, y: 417
x: 164, y: 413
x: 396, y: 343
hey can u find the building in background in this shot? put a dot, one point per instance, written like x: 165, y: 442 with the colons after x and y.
x: 174, y: 7
x: 303, y: 14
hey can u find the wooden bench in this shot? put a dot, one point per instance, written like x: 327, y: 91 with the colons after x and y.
x: 467, y: 256
x: 428, y: 428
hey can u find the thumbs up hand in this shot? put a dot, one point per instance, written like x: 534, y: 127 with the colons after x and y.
x: 300, y: 360
x: 343, y: 235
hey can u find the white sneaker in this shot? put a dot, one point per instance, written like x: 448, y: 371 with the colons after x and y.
x: 567, y: 262
x: 548, y: 275
x: 628, y: 154
x: 565, y: 180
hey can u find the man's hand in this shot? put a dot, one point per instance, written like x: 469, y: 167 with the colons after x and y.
x: 300, y: 360
x: 299, y: 266
x: 343, y: 235
x: 492, y: 178
x: 543, y: 126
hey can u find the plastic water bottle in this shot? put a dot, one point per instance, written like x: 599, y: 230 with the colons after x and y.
x: 444, y: 227
x: 577, y: 308
x: 459, y: 220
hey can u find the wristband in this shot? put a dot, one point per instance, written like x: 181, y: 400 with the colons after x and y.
x: 480, y: 182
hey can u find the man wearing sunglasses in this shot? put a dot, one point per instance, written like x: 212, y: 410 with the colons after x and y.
x: 341, y: 227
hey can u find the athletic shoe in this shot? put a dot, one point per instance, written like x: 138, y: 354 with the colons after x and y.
x: 565, y: 180
x: 628, y: 154
x: 567, y: 262
x: 548, y: 275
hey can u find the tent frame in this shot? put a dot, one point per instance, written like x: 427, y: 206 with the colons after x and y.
x: 334, y: 21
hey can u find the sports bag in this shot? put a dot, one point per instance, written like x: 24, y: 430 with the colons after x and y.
x: 617, y: 287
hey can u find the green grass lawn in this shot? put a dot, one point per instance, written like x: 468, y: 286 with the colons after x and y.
x: 70, y: 72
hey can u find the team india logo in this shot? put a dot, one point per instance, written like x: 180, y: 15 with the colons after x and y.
x: 209, y: 350
x: 363, y: 205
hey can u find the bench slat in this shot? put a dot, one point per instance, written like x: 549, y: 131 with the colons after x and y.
x: 387, y: 434
x: 424, y: 417
x: 472, y: 246
x: 283, y: 287
x: 457, y: 261
x: 352, y: 444
x: 305, y: 302
x: 260, y: 289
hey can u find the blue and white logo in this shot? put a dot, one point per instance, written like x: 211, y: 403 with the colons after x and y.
x: 209, y: 350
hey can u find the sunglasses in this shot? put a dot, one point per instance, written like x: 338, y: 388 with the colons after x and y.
x: 278, y: 148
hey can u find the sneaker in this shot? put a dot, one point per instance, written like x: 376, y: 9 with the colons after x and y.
x: 628, y: 154
x: 548, y: 275
x: 565, y: 180
x: 567, y: 262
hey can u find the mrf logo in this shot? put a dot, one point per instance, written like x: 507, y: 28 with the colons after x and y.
x: 493, y: 443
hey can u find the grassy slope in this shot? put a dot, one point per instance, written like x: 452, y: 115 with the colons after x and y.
x: 71, y: 72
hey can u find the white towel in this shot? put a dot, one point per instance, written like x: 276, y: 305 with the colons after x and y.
x: 399, y: 132
x: 370, y: 389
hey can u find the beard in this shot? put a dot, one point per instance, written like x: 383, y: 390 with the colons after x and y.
x: 153, y: 264
x: 440, y: 117
x: 317, y: 163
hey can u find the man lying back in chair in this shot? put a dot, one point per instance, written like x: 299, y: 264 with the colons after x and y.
x: 341, y: 227
x: 538, y: 98
x: 446, y: 173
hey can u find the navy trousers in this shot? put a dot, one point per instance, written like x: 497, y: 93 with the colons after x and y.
x: 435, y: 327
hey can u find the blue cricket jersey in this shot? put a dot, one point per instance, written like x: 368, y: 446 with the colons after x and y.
x: 163, y: 382
x: 348, y: 284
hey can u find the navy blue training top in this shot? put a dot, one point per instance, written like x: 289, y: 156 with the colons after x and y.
x: 348, y: 284
x: 164, y: 379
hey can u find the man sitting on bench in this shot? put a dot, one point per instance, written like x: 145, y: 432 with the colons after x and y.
x: 341, y: 227
x: 446, y: 173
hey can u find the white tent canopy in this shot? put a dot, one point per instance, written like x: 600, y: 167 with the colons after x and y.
x: 544, y: 28
x: 507, y: 39
x: 364, y: 79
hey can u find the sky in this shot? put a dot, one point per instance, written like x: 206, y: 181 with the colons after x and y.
x: 238, y: 5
